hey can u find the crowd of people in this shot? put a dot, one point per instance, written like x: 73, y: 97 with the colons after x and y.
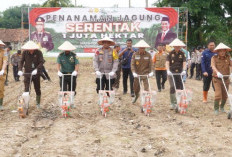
x: 169, y: 62
x: 165, y: 64
x: 30, y: 64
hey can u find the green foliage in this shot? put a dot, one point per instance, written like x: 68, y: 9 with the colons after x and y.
x: 58, y: 3
x: 11, y: 17
x: 151, y: 33
x: 206, y: 19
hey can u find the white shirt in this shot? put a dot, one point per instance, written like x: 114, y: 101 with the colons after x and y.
x: 165, y: 32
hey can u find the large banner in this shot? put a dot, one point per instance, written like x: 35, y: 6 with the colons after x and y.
x: 83, y: 27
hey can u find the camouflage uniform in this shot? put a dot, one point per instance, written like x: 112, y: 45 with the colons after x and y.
x: 68, y: 63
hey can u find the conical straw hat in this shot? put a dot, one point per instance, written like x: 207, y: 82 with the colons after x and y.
x: 222, y: 46
x: 177, y: 42
x: 141, y: 43
x: 1, y: 43
x: 169, y: 48
x: 100, y: 42
x: 30, y: 45
x: 67, y: 46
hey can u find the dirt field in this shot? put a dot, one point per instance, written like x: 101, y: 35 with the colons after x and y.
x: 125, y: 132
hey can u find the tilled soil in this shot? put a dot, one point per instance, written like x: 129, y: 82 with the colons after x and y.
x: 124, y: 132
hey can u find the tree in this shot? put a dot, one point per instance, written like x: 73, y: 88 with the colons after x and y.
x: 57, y: 3
x: 206, y: 19
x: 11, y: 17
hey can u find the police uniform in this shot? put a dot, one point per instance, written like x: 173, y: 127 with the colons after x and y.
x: 3, y: 58
x: 68, y: 63
x: 105, y: 62
x: 141, y: 64
x: 15, y: 59
x: 193, y: 63
x: 160, y: 69
x: 44, y: 38
x: 176, y: 60
x: 222, y: 64
x: 198, y: 65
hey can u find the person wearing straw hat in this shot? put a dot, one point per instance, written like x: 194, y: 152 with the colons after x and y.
x: 207, y: 69
x: 32, y: 61
x: 141, y: 64
x: 67, y: 63
x: 105, y: 62
x: 176, y: 63
x: 3, y: 64
x: 221, y: 65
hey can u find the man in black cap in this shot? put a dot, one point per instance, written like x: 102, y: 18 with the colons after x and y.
x: 41, y: 37
x: 166, y: 36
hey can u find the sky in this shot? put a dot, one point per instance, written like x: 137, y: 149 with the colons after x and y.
x: 88, y: 3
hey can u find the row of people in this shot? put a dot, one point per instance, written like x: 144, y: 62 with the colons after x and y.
x: 14, y: 60
x: 196, y: 63
x: 167, y: 63
x: 31, y: 66
x: 106, y: 60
